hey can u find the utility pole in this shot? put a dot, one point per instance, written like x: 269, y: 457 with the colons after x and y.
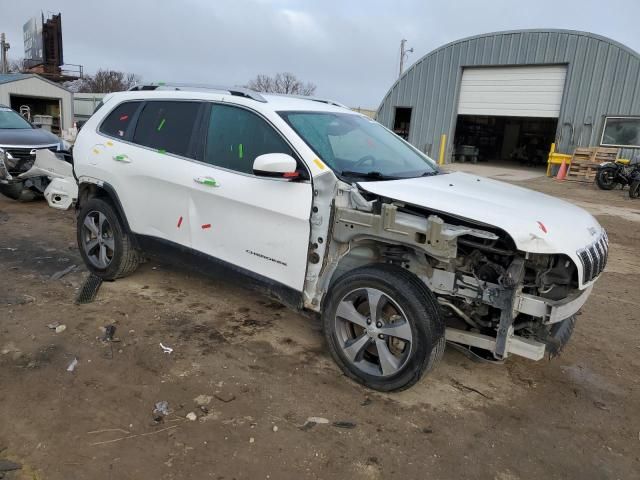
x: 4, y: 47
x: 403, y: 54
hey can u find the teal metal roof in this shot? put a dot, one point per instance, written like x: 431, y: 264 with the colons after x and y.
x: 12, y: 77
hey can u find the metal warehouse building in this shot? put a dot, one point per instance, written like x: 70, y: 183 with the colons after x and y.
x: 32, y: 96
x: 509, y: 95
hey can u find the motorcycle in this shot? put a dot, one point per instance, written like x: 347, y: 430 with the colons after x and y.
x: 612, y: 174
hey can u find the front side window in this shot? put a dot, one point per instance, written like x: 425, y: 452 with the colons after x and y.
x: 10, y: 120
x: 621, y: 132
x: 236, y: 136
x: 167, y: 126
x: 117, y: 122
x: 354, y: 146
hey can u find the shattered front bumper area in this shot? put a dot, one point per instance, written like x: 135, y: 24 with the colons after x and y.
x: 62, y: 190
x: 511, y: 302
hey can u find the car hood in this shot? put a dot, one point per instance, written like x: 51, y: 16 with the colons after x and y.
x: 26, y: 137
x: 538, y: 223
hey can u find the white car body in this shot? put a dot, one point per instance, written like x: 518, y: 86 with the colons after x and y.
x: 294, y: 233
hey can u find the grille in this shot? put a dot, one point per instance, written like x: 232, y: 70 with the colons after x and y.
x: 594, y: 258
x: 23, y: 159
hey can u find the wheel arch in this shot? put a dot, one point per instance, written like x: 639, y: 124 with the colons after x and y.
x: 89, y: 190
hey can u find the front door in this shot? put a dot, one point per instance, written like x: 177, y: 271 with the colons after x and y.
x: 257, y: 223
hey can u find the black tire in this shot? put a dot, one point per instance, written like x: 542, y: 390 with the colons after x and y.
x: 420, y: 309
x: 634, y: 189
x: 605, y: 178
x: 124, y: 257
x: 16, y: 191
x: 559, y: 335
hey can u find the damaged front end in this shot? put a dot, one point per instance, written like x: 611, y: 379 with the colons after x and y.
x: 495, y: 299
x: 50, y: 173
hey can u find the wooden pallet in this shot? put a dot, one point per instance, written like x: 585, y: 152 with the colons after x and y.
x: 585, y: 161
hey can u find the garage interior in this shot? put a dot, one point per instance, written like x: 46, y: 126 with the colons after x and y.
x: 508, y: 114
x: 30, y: 107
x: 520, y: 140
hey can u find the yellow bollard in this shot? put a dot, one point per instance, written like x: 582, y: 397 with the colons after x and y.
x: 443, y: 145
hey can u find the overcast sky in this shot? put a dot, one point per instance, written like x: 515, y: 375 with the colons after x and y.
x: 349, y: 48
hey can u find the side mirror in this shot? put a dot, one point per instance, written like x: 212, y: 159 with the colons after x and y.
x: 278, y: 165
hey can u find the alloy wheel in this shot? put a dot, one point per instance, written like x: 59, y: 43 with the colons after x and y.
x: 97, y: 239
x: 373, y: 332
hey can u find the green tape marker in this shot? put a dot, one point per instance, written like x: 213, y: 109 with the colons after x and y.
x: 210, y: 181
x: 161, y: 124
x: 240, y: 151
x: 120, y: 157
x: 162, y: 150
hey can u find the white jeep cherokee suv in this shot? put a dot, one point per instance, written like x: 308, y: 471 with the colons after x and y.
x: 331, y: 213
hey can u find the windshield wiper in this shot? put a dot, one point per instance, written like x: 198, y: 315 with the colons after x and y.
x: 374, y: 174
x: 430, y: 174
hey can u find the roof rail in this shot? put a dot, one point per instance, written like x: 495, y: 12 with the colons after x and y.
x: 237, y: 91
x: 313, y: 99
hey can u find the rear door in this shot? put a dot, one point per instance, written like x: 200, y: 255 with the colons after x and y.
x: 257, y: 223
x: 152, y: 164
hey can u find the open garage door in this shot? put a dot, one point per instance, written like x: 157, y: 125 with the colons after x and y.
x: 508, y: 113
x: 512, y: 91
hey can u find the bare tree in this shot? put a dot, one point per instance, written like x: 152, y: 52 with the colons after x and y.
x: 285, y: 82
x: 17, y: 65
x: 105, y: 81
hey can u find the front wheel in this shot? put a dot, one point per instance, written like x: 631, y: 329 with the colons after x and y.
x: 105, y: 247
x: 634, y: 189
x: 605, y: 178
x: 383, y: 327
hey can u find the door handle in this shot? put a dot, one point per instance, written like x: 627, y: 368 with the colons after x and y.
x: 208, y: 181
x: 121, y: 158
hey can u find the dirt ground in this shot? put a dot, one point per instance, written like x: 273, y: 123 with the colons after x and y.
x: 257, y: 366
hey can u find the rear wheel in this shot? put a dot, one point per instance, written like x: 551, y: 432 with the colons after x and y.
x: 605, y: 178
x: 106, y: 248
x: 634, y: 189
x: 383, y: 327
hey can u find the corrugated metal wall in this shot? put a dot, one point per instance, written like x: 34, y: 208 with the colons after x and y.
x: 603, y: 78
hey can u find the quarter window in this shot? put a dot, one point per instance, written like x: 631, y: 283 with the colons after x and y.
x: 119, y: 119
x: 167, y: 127
x: 236, y: 137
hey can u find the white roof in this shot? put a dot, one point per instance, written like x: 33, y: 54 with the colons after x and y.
x: 273, y: 102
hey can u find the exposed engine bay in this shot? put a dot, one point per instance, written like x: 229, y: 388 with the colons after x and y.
x: 495, y: 299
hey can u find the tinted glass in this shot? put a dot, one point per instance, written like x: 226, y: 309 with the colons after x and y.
x: 167, y: 126
x: 11, y: 120
x: 236, y: 137
x: 353, y: 145
x: 118, y: 121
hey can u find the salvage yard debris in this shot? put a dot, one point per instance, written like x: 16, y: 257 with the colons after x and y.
x: 166, y: 349
x: 72, y: 366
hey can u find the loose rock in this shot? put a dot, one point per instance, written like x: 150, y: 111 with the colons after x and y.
x: 61, y: 328
x: 225, y: 397
x: 192, y: 416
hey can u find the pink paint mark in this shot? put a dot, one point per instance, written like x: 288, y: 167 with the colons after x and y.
x: 542, y: 227
x: 206, y: 225
x: 179, y: 222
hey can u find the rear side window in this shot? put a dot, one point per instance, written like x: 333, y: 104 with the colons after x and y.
x: 236, y: 137
x: 117, y: 122
x: 167, y: 126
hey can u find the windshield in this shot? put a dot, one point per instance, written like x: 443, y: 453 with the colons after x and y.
x: 11, y: 120
x: 355, y: 146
